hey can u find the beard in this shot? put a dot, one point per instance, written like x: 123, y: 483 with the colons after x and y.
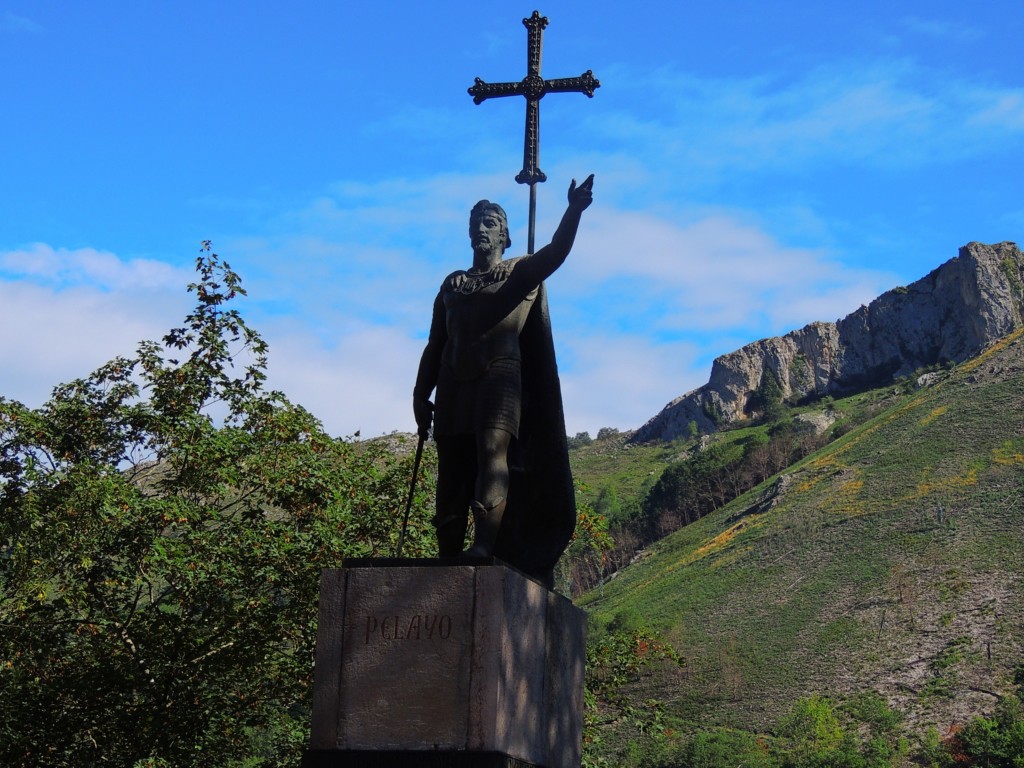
x: 485, y: 244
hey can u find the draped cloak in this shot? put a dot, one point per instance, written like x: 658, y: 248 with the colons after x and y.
x: 540, y: 512
x: 540, y: 515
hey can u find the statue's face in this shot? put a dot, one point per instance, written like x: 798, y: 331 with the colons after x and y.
x: 488, y: 232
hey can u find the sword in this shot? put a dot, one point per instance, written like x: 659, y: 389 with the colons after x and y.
x: 412, y: 491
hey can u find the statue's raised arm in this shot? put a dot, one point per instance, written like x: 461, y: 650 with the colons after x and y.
x: 549, y: 258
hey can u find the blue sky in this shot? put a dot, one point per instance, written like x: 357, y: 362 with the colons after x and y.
x: 759, y: 166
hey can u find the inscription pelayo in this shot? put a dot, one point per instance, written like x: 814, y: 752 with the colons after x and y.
x: 426, y: 626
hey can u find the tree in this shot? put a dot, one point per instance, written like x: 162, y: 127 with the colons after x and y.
x: 768, y: 397
x: 608, y: 503
x: 163, y: 523
x: 581, y: 439
x: 996, y: 742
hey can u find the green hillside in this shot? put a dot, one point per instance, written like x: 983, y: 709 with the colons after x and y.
x: 890, y: 561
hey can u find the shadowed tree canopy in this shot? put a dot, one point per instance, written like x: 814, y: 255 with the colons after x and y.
x: 163, y: 524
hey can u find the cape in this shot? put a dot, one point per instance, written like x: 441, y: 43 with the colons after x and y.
x: 540, y: 513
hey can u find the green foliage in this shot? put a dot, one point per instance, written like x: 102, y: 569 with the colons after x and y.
x: 812, y: 729
x: 768, y: 399
x: 689, y: 489
x: 996, y: 742
x: 899, y: 540
x: 1012, y: 272
x: 800, y: 374
x: 713, y: 410
x: 608, y: 503
x: 932, y: 752
x: 699, y: 484
x: 989, y: 742
x: 813, y: 734
x: 581, y: 439
x: 617, y: 661
x: 631, y: 468
x: 870, y: 709
x: 729, y: 748
x: 859, y: 734
x: 163, y: 523
x: 584, y: 558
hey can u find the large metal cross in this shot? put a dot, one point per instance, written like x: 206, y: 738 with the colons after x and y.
x: 533, y: 87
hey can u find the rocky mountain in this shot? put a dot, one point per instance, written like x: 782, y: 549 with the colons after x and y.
x: 948, y: 316
x: 888, y: 563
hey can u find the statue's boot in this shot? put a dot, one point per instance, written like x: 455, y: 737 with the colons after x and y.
x: 486, y: 524
x: 451, y: 534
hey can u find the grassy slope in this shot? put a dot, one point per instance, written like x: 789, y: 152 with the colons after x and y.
x: 891, y: 560
x: 633, y: 469
x: 630, y: 469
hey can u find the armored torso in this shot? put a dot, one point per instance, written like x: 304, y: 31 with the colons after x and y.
x: 484, y: 312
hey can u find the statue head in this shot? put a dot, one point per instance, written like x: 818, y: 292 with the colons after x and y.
x: 493, y: 209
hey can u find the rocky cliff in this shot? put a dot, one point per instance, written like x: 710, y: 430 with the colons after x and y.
x: 946, y: 317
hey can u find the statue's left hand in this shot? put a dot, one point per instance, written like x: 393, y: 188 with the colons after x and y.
x: 423, y: 409
x: 582, y: 196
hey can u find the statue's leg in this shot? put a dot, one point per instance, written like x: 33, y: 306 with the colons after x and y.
x: 456, y: 470
x: 490, y: 491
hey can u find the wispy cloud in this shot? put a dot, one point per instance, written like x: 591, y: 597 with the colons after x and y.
x: 70, y: 312
x: 10, y: 22
x: 998, y: 109
x: 944, y: 30
x: 360, y: 381
x: 62, y: 267
x: 888, y: 113
x: 718, y: 274
x: 643, y: 304
x: 622, y: 380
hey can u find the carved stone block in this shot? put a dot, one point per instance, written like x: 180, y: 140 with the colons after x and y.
x: 426, y: 660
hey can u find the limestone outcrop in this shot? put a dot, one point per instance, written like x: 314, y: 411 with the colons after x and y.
x: 948, y: 316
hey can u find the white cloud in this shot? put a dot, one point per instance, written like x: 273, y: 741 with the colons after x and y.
x: 44, y: 264
x: 64, y: 312
x: 640, y: 308
x: 718, y: 274
x: 999, y: 109
x: 623, y: 381
x: 50, y: 336
x: 888, y: 113
x: 363, y: 381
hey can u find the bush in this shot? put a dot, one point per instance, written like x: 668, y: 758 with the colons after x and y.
x: 581, y: 439
x: 163, y: 524
x: 996, y: 742
x: 723, y: 748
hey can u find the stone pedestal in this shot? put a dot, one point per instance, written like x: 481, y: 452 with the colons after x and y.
x: 431, y: 663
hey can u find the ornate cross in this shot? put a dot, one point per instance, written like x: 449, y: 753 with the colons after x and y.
x: 533, y: 87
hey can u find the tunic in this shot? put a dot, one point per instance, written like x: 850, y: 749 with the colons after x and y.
x: 479, y: 384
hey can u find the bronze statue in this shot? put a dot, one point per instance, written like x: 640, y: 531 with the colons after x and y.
x: 498, y: 420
